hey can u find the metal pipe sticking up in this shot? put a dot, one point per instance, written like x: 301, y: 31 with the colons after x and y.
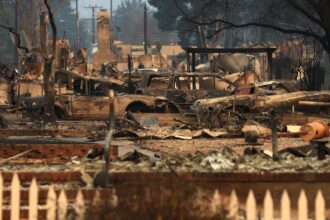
x: 273, y: 126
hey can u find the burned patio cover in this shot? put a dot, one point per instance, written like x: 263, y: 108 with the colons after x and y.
x: 268, y: 50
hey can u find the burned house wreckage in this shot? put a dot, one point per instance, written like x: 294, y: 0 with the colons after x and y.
x: 227, y: 115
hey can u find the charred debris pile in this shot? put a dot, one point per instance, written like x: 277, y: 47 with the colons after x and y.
x: 213, y: 101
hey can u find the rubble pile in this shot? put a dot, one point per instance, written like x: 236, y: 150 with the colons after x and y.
x: 227, y: 161
x: 252, y: 161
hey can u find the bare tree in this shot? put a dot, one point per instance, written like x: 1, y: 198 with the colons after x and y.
x: 48, y: 56
x: 28, y: 15
x: 17, y: 37
x: 310, y: 18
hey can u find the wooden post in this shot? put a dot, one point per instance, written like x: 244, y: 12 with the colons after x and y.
x: 1, y: 195
x: 18, y: 98
x: 111, y: 128
x: 193, y: 62
x: 320, y: 206
x: 233, y: 206
x: 251, y: 207
x: 268, y: 206
x: 33, y: 200
x: 87, y: 90
x: 51, y: 204
x: 302, y: 206
x: 188, y: 62
x: 285, y: 206
x: 270, y: 65
x: 80, y: 206
x: 62, y: 206
x: 15, y: 198
x: 130, y: 83
x: 216, y: 203
x: 273, y: 126
x: 97, y: 201
x: 111, y: 108
x: 321, y: 148
x: 102, y: 178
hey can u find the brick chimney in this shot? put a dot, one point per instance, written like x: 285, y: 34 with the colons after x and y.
x: 104, y: 53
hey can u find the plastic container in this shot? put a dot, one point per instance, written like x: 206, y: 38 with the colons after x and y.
x: 314, y: 130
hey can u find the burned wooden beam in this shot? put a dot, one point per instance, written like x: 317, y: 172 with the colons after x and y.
x: 311, y: 103
x: 47, y: 151
x: 44, y: 132
x: 263, y: 103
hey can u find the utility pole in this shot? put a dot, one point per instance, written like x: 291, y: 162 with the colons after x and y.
x: 77, y: 26
x: 145, y: 28
x: 18, y: 31
x: 111, y: 9
x: 93, y: 19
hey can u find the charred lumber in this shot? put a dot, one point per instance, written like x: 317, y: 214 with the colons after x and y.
x: 187, y: 124
x: 255, y: 103
x: 134, y: 120
x: 264, y: 103
x: 15, y: 157
x: 289, y: 99
x: 310, y: 103
x: 130, y: 122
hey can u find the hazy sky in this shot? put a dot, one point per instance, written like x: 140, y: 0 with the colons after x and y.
x: 87, y: 13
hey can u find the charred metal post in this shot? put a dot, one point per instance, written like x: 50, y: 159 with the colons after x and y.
x: 273, y: 126
x: 130, y: 83
x: 193, y: 62
x: 321, y: 148
x: 111, y: 108
x: 129, y: 63
x: 18, y: 99
x: 270, y: 64
x: 111, y: 130
x: 188, y: 62
x: 103, y: 178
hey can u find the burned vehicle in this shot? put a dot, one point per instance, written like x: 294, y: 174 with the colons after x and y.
x: 86, y: 98
x: 68, y: 82
x: 69, y: 106
x: 183, y: 89
x: 71, y: 81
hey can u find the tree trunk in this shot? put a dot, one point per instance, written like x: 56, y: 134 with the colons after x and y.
x: 202, y: 36
x: 49, y: 100
x: 49, y: 112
